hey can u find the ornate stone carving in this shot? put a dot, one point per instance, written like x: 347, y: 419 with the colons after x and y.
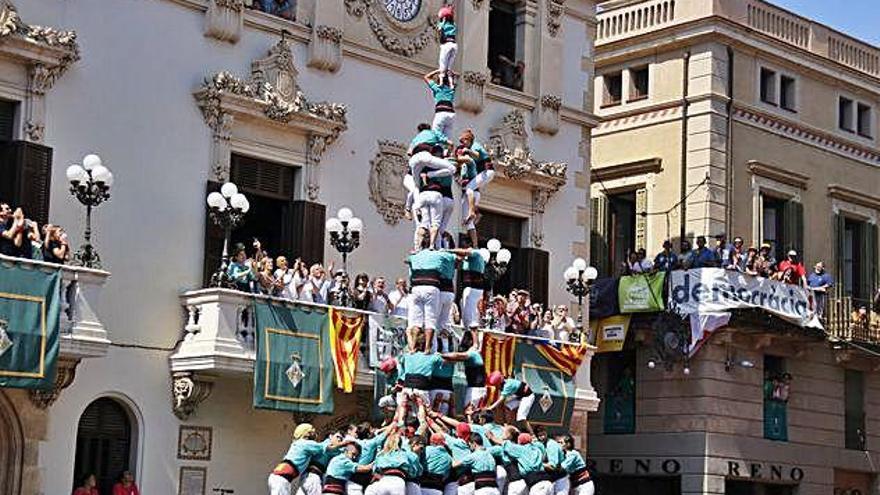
x: 187, y: 392
x: 391, y: 37
x: 329, y: 33
x: 472, y: 91
x: 387, y: 169
x: 325, y: 50
x: 509, y: 145
x: 65, y: 372
x: 555, y: 9
x: 547, y: 114
x: 224, y: 20
x: 9, y: 20
x: 477, y: 4
x: 34, y: 131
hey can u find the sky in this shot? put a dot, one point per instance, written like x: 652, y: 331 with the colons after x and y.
x: 857, y: 18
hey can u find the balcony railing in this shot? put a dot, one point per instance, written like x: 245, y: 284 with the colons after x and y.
x: 853, y: 320
x: 83, y: 335
x: 219, y: 339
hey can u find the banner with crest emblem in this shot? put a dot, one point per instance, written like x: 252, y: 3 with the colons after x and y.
x: 294, y: 366
x: 30, y: 312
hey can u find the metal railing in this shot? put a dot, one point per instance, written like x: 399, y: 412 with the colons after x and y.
x: 853, y: 320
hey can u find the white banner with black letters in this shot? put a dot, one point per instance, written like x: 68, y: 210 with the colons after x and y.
x: 707, y: 290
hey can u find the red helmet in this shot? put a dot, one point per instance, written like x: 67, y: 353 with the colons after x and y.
x: 463, y: 431
x: 496, y: 378
x: 388, y: 365
x: 438, y: 439
x: 524, y: 438
x: 446, y: 12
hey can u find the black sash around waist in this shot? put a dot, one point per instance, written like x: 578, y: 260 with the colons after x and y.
x: 447, y: 38
x: 315, y: 468
x: 447, y: 285
x: 286, y: 470
x: 422, y: 147
x: 393, y: 472
x: 523, y: 390
x: 579, y: 477
x: 420, y: 382
x: 485, y: 480
x: 484, y: 165
x: 556, y: 474
x: 444, y: 106
x: 441, y: 383
x: 362, y: 479
x: 472, y: 279
x: 535, y: 477
x: 425, y: 277
x: 334, y: 486
x: 433, y: 481
x: 475, y: 375
x: 513, y: 472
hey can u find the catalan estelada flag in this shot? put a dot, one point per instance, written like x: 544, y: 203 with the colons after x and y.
x: 498, y: 352
x: 566, y: 357
x: 345, y: 341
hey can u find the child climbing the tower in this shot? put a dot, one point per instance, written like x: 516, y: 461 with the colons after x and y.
x: 448, y: 46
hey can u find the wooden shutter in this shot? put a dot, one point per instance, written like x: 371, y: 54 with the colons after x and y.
x: 26, y: 178
x: 263, y: 178
x: 868, y: 261
x: 839, y: 247
x: 103, y: 443
x: 305, y: 238
x: 213, y: 241
x: 529, y: 269
x: 7, y: 120
x: 854, y: 407
x: 793, y: 225
x: 599, y: 231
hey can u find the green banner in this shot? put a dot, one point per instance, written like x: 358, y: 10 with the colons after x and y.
x: 641, y: 293
x: 553, y: 389
x: 30, y: 309
x: 294, y: 367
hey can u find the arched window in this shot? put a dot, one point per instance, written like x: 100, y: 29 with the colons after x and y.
x: 11, y: 448
x: 103, y: 443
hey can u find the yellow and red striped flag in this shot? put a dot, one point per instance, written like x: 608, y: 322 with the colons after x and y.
x: 498, y: 351
x: 566, y: 357
x: 345, y: 341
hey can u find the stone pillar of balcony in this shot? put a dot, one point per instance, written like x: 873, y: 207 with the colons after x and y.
x: 82, y: 333
x: 325, y: 47
x: 586, y: 400
x: 549, y: 36
x: 224, y: 20
x: 707, y: 139
x: 473, y: 21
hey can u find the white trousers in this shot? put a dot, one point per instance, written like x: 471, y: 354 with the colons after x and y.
x: 587, y: 488
x: 444, y: 317
x: 518, y: 487
x: 424, y: 305
x: 470, y: 306
x: 501, y: 474
x: 443, y: 122
x: 310, y: 484
x: 447, y: 56
x: 451, y: 488
x: 541, y: 488
x: 489, y: 490
x: 353, y: 489
x: 413, y: 488
x: 431, y: 491
x: 447, y: 208
x: 467, y: 489
x: 481, y: 179
x: 387, y: 485
x: 561, y: 486
x: 410, y: 185
x: 522, y: 406
x: 432, y: 209
x: 436, y: 166
x: 278, y: 485
x: 465, y: 209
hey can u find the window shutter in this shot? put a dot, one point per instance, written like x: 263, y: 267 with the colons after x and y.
x: 305, y: 238
x: 599, y: 234
x: 868, y: 263
x: 793, y: 218
x: 7, y: 120
x: 641, y: 218
x: 213, y: 241
x: 839, y: 247
x: 260, y: 177
x: 530, y: 270
x: 25, y: 178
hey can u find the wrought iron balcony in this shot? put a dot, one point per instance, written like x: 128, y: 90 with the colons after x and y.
x: 853, y: 320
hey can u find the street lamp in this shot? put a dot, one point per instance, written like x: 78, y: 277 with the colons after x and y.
x: 226, y: 209
x: 345, y: 233
x: 90, y: 184
x: 578, y: 279
x: 497, y: 259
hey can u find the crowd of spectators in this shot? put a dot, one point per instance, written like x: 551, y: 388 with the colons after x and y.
x: 22, y: 237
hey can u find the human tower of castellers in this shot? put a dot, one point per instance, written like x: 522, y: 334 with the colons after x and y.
x: 421, y: 449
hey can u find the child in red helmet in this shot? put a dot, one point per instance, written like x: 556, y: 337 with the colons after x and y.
x: 515, y: 394
x: 448, y: 46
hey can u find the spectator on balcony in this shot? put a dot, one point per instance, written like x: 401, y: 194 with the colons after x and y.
x: 518, y: 312
x: 766, y: 264
x: 632, y: 265
x: 12, y: 232
x: 240, y: 270
x: 498, y: 311
x: 381, y: 302
x: 362, y: 293
x: 536, y: 312
x: 562, y: 324
x: 266, y: 277
x: 686, y: 258
x: 126, y: 485
x: 666, y: 260
x: 316, y: 286
x: 791, y: 270
x: 34, y: 240
x: 508, y: 73
x: 703, y: 256
x: 287, y: 277
x: 750, y: 264
x: 545, y: 329
x: 340, y: 291
x: 281, y: 8
x: 722, y: 249
x: 819, y: 282
x: 737, y: 256
x: 399, y: 298
x: 89, y: 486
x: 56, y: 249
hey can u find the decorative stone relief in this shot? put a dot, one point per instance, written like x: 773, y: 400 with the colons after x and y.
x: 472, y: 91
x: 555, y: 9
x: 34, y: 131
x: 187, y: 392
x: 388, y: 33
x: 387, y: 169
x: 224, y: 20
x: 477, y: 4
x: 272, y: 92
x: 547, y: 114
x: 325, y: 50
x: 65, y: 372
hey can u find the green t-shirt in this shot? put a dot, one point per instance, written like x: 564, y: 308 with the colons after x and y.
x: 480, y: 461
x: 437, y: 460
x: 341, y: 467
x: 442, y: 92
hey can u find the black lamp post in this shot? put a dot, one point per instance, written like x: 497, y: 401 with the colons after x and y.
x: 497, y: 260
x: 226, y: 209
x: 345, y: 236
x: 578, y: 279
x: 90, y: 185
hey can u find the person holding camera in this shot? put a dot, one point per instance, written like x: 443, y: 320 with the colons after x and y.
x: 56, y: 248
x: 363, y: 294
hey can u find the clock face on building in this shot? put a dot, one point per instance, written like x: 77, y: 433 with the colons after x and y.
x: 403, y: 10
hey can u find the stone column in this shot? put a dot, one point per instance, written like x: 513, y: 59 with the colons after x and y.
x: 549, y: 64
x: 224, y: 20
x: 473, y: 33
x: 707, y: 139
x: 325, y: 48
x: 527, y: 45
